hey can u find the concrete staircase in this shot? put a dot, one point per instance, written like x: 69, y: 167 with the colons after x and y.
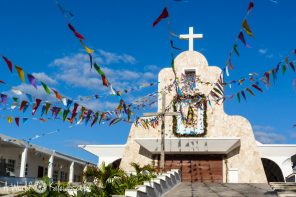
x: 284, y: 189
x: 156, y: 187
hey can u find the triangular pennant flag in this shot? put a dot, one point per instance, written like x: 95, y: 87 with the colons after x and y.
x: 88, y: 50
x: 243, y: 93
x: 38, y: 101
x: 32, y: 80
x: 25, y: 120
x: 114, y: 121
x: 75, y: 108
x: 8, y: 62
x: 292, y: 66
x: 78, y: 35
x: 242, y: 39
x: 247, y: 28
x: 250, y: 91
x: 9, y: 119
x: 238, y: 97
x: 47, y: 90
x: 99, y: 70
x: 20, y: 72
x: 69, y: 102
x: 47, y: 106
x: 284, y: 68
x: 235, y: 49
x: 65, y: 114
x: 95, y: 119
x: 251, y: 6
x: 90, y: 60
x: 267, y: 77
x: 17, y: 121
x: 257, y: 87
x: 163, y: 15
x: 57, y: 94
x: 23, y: 104
x: 43, y: 110
x: 4, y: 99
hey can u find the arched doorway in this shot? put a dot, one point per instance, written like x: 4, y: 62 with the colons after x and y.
x: 272, y: 171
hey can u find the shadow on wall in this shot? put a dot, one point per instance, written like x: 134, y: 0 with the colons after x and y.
x: 272, y: 171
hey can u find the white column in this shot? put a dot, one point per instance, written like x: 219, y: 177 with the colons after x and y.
x: 71, y: 173
x: 23, y: 162
x: 50, y: 166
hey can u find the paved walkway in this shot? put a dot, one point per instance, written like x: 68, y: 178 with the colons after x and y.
x: 221, y: 189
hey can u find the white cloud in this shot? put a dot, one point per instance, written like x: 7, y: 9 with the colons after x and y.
x: 75, y: 70
x: 262, y: 51
x: 111, y: 58
x: 152, y: 67
x: 267, y: 135
x: 35, y: 93
x: 44, y: 78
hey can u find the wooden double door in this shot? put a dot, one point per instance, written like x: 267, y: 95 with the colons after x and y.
x: 197, y: 168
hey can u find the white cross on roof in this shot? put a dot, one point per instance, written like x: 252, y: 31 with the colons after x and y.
x: 190, y: 37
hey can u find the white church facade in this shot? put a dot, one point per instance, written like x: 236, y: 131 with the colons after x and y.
x: 218, y: 148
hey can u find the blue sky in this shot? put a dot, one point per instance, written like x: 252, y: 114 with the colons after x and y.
x: 35, y: 36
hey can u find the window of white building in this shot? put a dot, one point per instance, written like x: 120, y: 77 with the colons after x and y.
x: 10, y: 165
x: 26, y: 169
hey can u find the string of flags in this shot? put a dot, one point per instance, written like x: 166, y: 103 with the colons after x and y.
x: 240, y: 37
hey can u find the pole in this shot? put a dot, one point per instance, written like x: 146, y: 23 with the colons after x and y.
x: 162, y: 131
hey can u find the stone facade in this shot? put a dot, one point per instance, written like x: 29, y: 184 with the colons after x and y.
x: 246, y: 159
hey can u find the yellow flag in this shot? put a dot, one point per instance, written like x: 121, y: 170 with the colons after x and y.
x: 20, y: 73
x: 247, y: 28
x: 88, y: 50
x: 9, y: 119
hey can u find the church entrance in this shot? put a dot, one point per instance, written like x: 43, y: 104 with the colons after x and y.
x: 197, y: 168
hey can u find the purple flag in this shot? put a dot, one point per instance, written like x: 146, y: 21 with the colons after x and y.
x: 4, y: 99
x: 242, y: 38
x: 32, y: 80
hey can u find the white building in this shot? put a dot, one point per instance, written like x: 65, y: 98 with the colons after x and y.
x: 217, y: 148
x: 21, y: 161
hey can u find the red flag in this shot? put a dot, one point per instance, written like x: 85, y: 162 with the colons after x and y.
x: 163, y: 15
x: 38, y: 101
x: 257, y: 87
x: 267, y: 77
x: 8, y: 62
x: 78, y: 35
x: 23, y: 104
x: 251, y: 6
x: 17, y: 121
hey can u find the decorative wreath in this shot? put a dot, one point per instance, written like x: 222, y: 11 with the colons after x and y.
x: 203, y: 101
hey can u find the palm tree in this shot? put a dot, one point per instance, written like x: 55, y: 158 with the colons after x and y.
x: 104, y: 177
